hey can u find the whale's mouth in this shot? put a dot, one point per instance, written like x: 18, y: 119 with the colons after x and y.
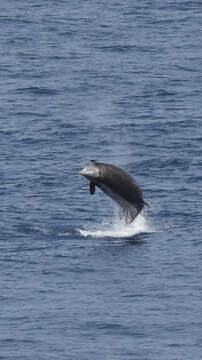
x: 90, y: 171
x: 82, y: 172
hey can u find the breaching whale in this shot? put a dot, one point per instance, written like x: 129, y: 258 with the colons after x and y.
x: 118, y: 185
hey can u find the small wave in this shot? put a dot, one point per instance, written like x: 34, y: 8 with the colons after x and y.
x: 64, y: 234
x: 37, y: 90
x: 41, y: 230
x: 118, y: 228
x: 50, y: 231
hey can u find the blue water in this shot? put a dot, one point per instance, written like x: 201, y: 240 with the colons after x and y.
x: 119, y: 82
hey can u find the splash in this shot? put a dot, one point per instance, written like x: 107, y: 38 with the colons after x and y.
x: 118, y: 228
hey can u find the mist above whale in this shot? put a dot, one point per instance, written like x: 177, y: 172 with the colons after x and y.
x: 118, y: 185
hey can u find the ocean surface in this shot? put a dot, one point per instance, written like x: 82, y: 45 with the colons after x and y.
x: 119, y: 82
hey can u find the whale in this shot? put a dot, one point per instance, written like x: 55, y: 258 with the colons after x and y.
x: 118, y: 185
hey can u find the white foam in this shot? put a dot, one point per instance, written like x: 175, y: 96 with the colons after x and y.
x: 118, y: 228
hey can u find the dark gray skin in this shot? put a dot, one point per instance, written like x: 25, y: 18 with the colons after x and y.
x: 118, y: 185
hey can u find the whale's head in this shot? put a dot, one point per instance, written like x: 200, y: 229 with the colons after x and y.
x: 90, y: 171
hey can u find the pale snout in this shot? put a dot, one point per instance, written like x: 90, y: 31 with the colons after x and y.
x: 90, y: 172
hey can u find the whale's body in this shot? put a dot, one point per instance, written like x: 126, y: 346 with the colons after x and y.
x: 118, y: 185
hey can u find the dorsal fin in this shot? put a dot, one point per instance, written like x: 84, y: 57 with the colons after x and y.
x: 92, y: 188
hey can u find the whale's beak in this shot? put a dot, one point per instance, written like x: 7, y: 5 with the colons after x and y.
x: 82, y: 172
x: 90, y: 172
